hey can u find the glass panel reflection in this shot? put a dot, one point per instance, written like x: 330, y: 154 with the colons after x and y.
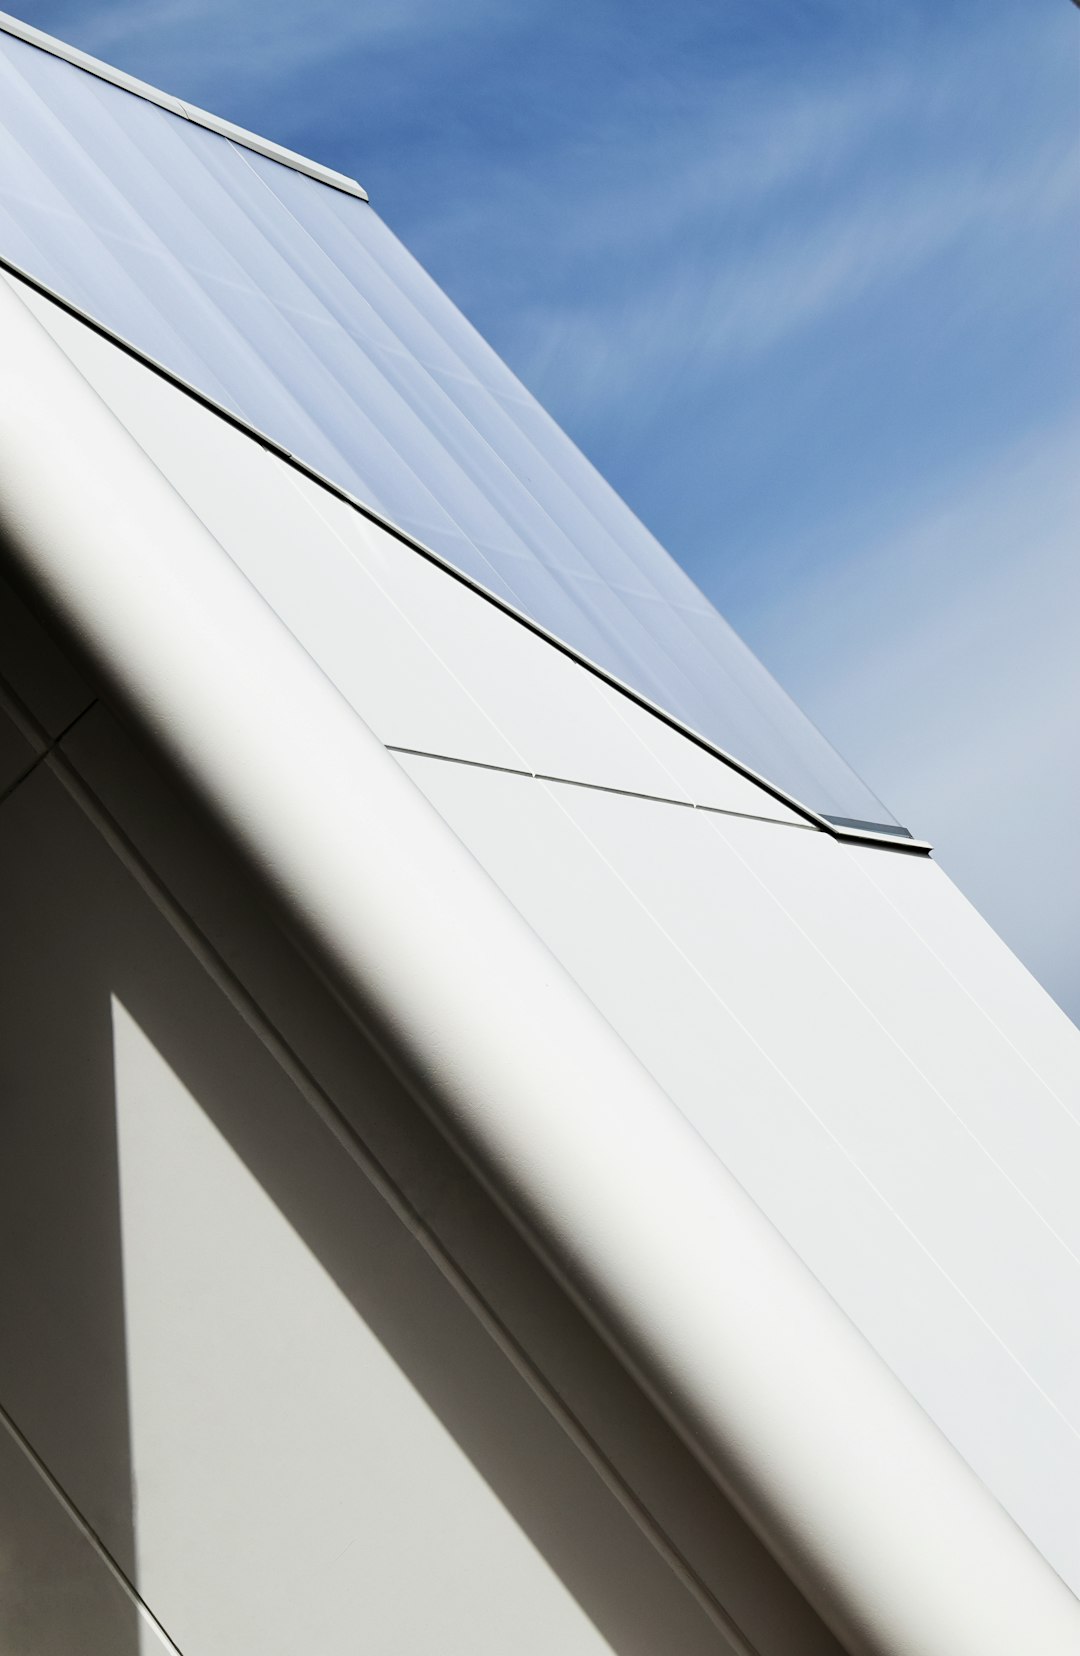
x: 293, y: 305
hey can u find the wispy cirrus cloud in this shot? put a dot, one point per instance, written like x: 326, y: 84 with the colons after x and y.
x: 196, y: 47
x: 942, y: 657
x: 694, y: 316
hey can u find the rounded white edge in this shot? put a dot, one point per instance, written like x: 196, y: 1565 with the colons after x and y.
x: 873, y: 1515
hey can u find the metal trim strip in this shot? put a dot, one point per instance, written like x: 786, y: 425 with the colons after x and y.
x: 190, y: 112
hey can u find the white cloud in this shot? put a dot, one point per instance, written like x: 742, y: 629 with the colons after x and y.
x: 703, y: 309
x: 266, y: 44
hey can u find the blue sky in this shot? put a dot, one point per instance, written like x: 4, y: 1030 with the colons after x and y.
x: 797, y: 278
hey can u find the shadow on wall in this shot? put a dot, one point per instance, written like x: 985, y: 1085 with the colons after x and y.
x: 262, y: 1395
x: 63, y: 1375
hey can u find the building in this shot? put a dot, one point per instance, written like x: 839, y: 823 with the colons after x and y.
x: 508, y: 1146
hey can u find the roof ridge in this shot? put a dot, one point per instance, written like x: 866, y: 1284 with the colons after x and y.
x: 176, y: 106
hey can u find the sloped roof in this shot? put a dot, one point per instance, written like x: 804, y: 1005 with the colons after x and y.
x: 809, y: 1007
x: 892, y: 1538
x: 248, y: 670
x: 292, y: 305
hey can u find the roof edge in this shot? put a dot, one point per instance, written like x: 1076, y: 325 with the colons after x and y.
x: 874, y: 1516
x: 844, y: 829
x: 190, y: 112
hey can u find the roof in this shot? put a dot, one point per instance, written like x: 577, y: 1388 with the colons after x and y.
x: 780, y: 1112
x: 756, y: 1364
x: 294, y: 308
x: 189, y: 112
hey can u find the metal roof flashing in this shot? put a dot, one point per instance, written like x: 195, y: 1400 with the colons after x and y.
x: 189, y: 112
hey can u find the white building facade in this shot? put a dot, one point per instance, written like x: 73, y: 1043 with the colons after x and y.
x: 509, y: 1146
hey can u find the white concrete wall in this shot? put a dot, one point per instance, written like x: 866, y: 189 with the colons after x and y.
x: 848, y: 1037
x: 908, y: 1123
x: 286, y: 1381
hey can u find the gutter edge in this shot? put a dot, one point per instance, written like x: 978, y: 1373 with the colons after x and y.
x: 869, y: 1510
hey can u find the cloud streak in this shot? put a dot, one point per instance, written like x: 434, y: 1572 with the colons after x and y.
x: 194, y: 47
x: 943, y: 660
x: 688, y: 317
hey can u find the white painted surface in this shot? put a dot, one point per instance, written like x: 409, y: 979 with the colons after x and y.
x: 888, y: 1532
x: 424, y: 660
x: 695, y: 773
x: 589, y: 1392
x: 266, y: 1400
x: 264, y: 1409
x: 58, y: 1593
x: 982, y: 967
x: 914, y: 1158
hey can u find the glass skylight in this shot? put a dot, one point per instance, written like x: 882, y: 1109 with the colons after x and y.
x: 292, y: 304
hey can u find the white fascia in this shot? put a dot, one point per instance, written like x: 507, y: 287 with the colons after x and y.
x: 880, y: 1523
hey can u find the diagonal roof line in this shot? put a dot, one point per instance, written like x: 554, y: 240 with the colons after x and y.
x: 844, y: 829
x: 876, y: 1518
x: 838, y: 828
x: 189, y: 112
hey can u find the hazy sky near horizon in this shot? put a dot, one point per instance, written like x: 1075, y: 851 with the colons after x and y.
x: 800, y: 279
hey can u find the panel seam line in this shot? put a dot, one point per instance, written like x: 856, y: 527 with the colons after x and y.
x: 20, y: 716
x: 810, y: 1108
x: 86, y: 1529
x: 337, y: 1123
x: 271, y: 445
x: 597, y: 787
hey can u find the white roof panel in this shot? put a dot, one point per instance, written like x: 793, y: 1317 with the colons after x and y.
x: 749, y: 964
x: 293, y: 306
x: 820, y: 1037
x: 426, y: 661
